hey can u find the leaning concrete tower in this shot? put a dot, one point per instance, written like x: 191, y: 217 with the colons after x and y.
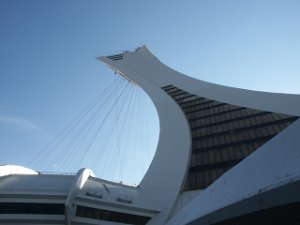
x: 224, y: 156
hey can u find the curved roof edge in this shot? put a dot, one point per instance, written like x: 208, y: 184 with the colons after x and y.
x: 14, y: 169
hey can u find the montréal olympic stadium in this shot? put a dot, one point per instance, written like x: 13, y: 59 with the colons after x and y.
x: 225, y: 156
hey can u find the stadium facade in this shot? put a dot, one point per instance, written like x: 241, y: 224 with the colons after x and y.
x: 224, y: 156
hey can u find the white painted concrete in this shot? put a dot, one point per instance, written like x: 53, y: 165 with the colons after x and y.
x: 13, y: 169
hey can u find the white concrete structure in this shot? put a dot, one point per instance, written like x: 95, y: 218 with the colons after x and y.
x: 189, y: 180
x: 12, y: 169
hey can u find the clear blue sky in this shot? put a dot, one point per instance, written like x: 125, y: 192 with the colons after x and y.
x: 48, y: 70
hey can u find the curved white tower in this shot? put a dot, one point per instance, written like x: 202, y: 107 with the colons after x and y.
x: 224, y: 156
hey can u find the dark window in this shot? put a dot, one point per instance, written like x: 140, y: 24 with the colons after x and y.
x: 223, y: 134
x: 31, y: 208
x: 101, y: 214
